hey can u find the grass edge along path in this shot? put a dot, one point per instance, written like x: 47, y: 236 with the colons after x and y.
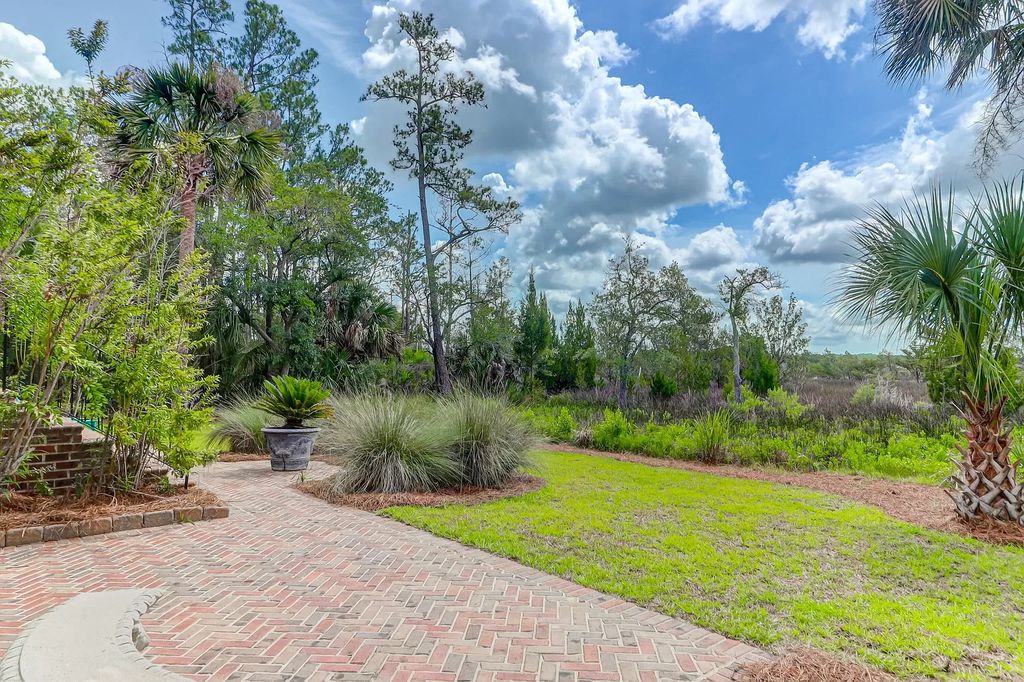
x: 770, y: 564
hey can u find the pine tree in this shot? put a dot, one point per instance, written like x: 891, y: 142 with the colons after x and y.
x: 199, y: 30
x: 577, y: 350
x: 536, y: 331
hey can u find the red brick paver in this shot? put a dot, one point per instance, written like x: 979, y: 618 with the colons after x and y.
x: 291, y: 588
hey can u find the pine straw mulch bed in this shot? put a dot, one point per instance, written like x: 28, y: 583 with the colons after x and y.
x: 918, y: 503
x: 243, y: 457
x: 21, y: 511
x: 373, y: 502
x: 809, y: 665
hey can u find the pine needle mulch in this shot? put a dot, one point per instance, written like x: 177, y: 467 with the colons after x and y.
x: 372, y: 502
x: 810, y: 665
x: 21, y: 510
x: 243, y: 457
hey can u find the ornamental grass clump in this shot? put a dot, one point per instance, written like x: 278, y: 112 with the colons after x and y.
x: 240, y: 424
x: 711, y: 435
x: 387, y: 444
x: 399, y: 444
x: 491, y: 441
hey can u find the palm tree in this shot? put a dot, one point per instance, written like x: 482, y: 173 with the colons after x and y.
x: 200, y: 126
x: 361, y: 324
x: 967, y: 37
x: 939, y: 274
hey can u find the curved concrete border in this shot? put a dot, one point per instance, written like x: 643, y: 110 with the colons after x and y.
x: 92, y: 637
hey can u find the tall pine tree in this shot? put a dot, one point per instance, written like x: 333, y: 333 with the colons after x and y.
x: 536, y: 331
x: 576, y: 355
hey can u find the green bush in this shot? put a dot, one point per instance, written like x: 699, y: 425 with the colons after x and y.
x: 294, y: 400
x: 389, y: 444
x: 786, y: 405
x: 612, y: 432
x: 663, y: 387
x: 564, y: 427
x: 864, y: 395
x: 711, y: 434
x: 240, y: 425
x: 491, y: 441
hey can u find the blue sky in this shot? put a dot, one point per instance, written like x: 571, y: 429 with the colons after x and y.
x: 725, y: 132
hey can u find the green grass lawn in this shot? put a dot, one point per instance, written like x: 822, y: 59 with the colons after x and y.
x: 761, y: 562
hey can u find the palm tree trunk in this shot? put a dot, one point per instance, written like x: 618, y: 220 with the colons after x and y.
x: 188, y: 200
x: 987, y: 482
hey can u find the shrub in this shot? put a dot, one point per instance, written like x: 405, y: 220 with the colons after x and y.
x: 864, y: 395
x: 610, y: 433
x: 663, y: 387
x: 711, y: 434
x: 490, y: 440
x: 564, y: 427
x: 241, y: 424
x: 786, y: 406
x: 388, y: 444
x: 294, y: 400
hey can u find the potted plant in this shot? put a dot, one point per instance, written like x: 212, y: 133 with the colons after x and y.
x: 295, y: 401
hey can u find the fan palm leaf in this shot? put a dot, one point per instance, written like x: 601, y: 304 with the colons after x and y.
x: 202, y: 126
x: 935, y: 273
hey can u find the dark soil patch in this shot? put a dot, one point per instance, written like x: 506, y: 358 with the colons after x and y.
x: 520, y: 485
x: 918, y: 503
x: 21, y: 510
x: 809, y: 665
x: 243, y: 457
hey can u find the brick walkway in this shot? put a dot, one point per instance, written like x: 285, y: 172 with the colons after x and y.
x: 291, y: 588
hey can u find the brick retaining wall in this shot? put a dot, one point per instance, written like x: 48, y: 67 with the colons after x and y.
x: 62, y: 458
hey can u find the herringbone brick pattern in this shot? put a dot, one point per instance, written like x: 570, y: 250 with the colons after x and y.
x: 290, y: 588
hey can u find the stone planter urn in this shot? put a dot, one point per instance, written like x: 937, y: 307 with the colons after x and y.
x: 295, y: 401
x: 290, y: 448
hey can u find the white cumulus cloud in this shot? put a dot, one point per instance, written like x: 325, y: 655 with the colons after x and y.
x: 821, y: 24
x: 591, y: 157
x: 27, y: 55
x: 827, y: 198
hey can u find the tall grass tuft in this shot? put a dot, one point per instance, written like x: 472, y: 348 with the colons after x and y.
x: 711, y: 435
x: 491, y: 441
x: 240, y: 424
x: 387, y: 444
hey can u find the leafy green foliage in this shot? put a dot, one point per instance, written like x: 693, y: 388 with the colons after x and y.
x: 921, y: 274
x: 767, y: 563
x: 91, y: 299
x: 536, y: 331
x: 764, y: 432
x: 967, y: 38
x: 576, y: 360
x: 294, y: 400
x: 268, y: 57
x: 198, y: 27
x: 636, y: 305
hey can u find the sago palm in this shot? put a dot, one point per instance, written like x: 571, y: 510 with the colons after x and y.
x: 964, y: 38
x: 938, y: 273
x: 202, y: 127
